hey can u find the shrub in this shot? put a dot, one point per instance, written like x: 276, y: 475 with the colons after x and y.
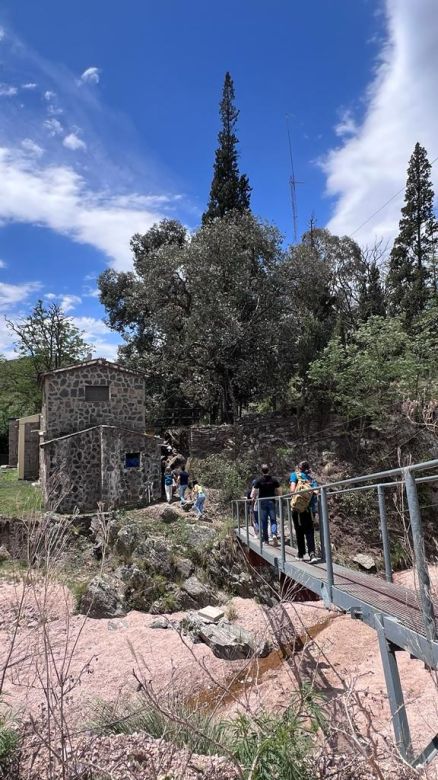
x: 8, y: 742
x: 231, y: 477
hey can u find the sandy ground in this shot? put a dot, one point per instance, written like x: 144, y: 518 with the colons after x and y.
x: 97, y: 660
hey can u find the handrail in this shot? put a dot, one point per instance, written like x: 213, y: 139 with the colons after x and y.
x: 408, y: 480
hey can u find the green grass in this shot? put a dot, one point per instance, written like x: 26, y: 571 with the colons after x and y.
x: 17, y: 497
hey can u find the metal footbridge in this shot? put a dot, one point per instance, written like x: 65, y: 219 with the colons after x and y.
x: 404, y: 619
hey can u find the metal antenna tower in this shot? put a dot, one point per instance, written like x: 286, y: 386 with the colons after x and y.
x: 292, y: 184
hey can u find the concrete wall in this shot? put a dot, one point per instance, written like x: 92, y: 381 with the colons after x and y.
x: 13, y: 443
x: 87, y: 468
x: 66, y: 411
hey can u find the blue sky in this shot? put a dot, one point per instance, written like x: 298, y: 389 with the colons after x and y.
x: 109, y: 118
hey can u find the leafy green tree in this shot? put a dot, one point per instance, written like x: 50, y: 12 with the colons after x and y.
x: 230, y: 190
x: 201, y: 316
x: 380, y: 367
x: 48, y: 338
x: 412, y: 257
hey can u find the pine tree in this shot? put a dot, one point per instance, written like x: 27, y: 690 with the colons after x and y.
x: 230, y: 190
x: 371, y: 293
x: 413, y: 253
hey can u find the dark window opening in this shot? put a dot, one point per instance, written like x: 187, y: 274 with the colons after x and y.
x: 97, y: 392
x: 132, y: 460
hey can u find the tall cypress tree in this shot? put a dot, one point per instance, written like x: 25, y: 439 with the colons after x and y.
x: 230, y: 190
x: 371, y: 293
x: 413, y: 253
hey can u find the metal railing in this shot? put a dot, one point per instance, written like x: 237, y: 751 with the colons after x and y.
x: 241, y: 510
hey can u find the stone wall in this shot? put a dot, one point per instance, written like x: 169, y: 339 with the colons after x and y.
x: 13, y: 443
x: 123, y: 486
x: 274, y: 430
x: 66, y: 411
x: 71, y: 472
x: 88, y: 468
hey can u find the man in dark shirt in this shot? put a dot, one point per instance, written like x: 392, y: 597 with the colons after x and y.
x: 183, y: 483
x: 264, y: 491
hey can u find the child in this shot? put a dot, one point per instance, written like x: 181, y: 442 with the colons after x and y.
x: 199, y: 495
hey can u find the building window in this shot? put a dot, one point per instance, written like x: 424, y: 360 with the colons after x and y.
x: 97, y: 392
x: 132, y: 460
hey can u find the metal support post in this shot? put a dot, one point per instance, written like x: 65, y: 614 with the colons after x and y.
x: 395, y: 695
x: 327, y: 544
x: 420, y: 555
x: 238, y: 516
x: 282, y: 539
x: 384, y: 532
x: 289, y: 517
x: 247, y: 523
x: 321, y: 530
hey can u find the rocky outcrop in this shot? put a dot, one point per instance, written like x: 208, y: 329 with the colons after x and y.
x: 104, y: 598
x: 198, y: 593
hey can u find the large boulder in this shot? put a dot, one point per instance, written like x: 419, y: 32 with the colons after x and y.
x: 5, y: 555
x: 156, y: 557
x: 104, y: 598
x: 226, y: 641
x: 200, y: 536
x: 197, y: 592
x: 184, y: 567
x: 169, y: 515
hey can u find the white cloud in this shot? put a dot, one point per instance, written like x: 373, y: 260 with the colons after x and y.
x: 2, y: 33
x: 54, y: 126
x: 31, y: 147
x: 73, y: 142
x: 6, y: 90
x: 29, y: 85
x: 49, y: 95
x: 54, y: 110
x: 51, y: 296
x: 69, y: 302
x: 2, y: 264
x: 91, y: 76
x: 11, y: 294
x: 346, y: 125
x: 96, y: 333
x: 57, y: 197
x: 370, y: 166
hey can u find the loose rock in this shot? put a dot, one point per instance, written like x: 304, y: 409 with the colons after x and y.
x: 104, y: 598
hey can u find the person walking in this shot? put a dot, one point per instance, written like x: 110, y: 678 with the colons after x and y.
x: 263, y: 493
x: 183, y: 483
x: 253, y: 509
x: 168, y: 484
x: 304, y: 505
x: 199, y: 495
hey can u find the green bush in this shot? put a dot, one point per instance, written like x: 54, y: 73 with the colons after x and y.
x: 231, y: 477
x: 8, y: 741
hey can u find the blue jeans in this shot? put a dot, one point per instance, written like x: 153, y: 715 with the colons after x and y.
x: 267, y: 510
x: 181, y: 490
x: 199, y: 504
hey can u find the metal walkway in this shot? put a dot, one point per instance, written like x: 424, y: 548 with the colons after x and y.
x: 404, y: 619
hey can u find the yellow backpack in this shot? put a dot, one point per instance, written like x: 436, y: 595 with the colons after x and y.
x: 301, y: 502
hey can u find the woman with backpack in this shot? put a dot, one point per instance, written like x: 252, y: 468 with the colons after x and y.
x: 168, y: 484
x: 303, y: 507
x: 199, y: 495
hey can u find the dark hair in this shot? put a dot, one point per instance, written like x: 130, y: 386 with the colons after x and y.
x: 265, y: 468
x: 304, y: 465
x: 194, y: 482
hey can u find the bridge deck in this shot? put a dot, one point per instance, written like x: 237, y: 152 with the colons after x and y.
x: 365, y: 596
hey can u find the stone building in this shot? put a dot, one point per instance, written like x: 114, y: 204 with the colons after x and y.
x: 93, y: 446
x: 24, y: 446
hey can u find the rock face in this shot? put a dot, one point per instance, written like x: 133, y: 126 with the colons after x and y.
x: 104, y: 598
x: 127, y: 540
